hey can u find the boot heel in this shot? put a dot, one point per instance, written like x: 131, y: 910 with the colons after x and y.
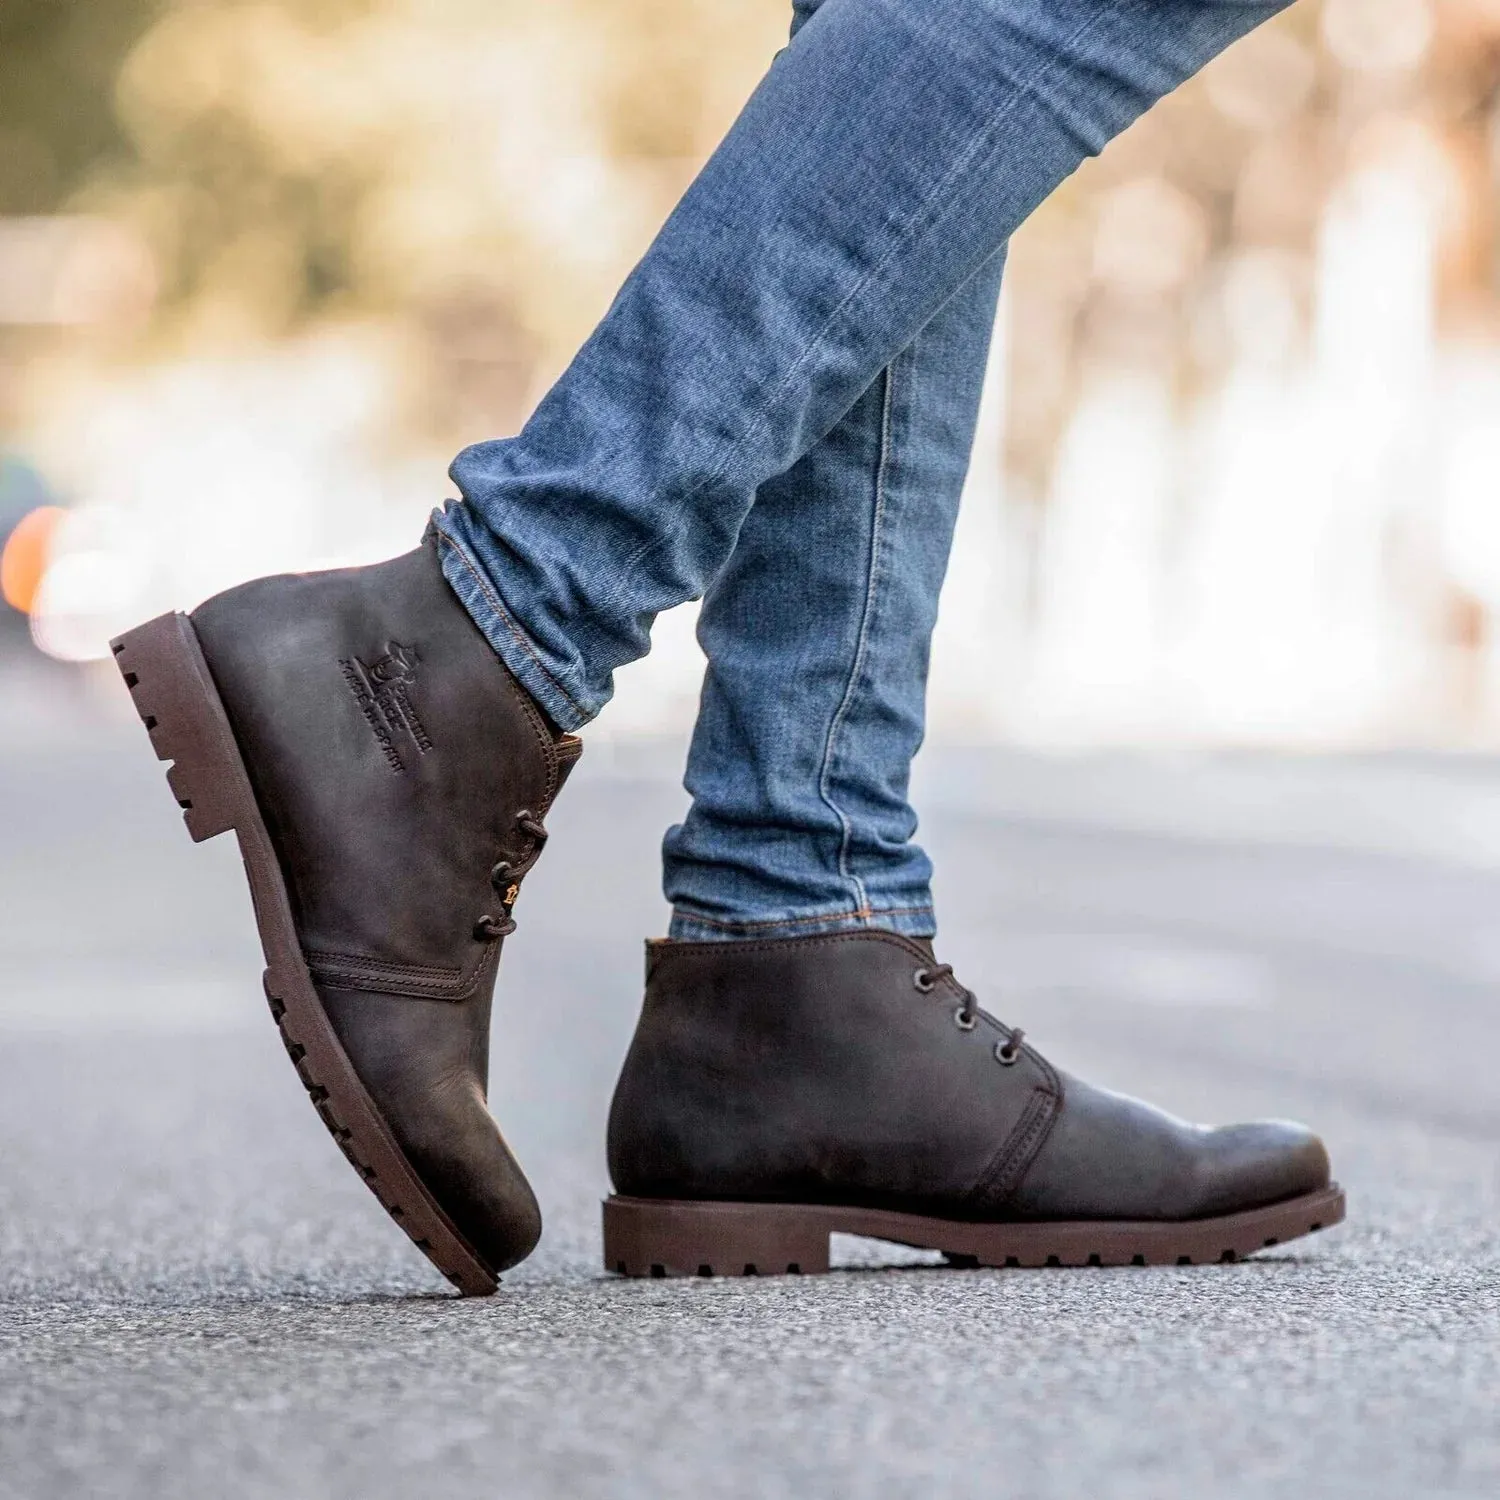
x: 174, y: 694
x: 666, y: 1237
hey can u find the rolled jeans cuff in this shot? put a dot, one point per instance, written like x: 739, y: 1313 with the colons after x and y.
x: 498, y: 624
x: 688, y: 926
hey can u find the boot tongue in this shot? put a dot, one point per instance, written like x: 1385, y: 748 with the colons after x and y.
x: 925, y: 944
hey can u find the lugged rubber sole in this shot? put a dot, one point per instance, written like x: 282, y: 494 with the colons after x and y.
x: 174, y: 694
x: 669, y: 1237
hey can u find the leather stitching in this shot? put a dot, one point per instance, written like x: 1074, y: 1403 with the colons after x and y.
x: 1001, y: 1177
x: 437, y: 973
x: 351, y: 971
x: 660, y: 948
x: 684, y: 949
x: 863, y: 913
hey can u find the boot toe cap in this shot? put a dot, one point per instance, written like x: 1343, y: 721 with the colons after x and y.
x: 458, y: 1151
x: 415, y: 1062
x: 1109, y: 1156
x: 1245, y: 1166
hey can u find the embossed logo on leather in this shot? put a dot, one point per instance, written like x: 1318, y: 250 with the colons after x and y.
x: 382, y: 690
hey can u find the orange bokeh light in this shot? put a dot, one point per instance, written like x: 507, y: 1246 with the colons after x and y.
x: 24, y: 560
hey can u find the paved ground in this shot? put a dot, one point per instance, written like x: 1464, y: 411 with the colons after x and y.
x: 197, y: 1298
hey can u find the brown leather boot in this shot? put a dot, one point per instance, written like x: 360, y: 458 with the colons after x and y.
x: 777, y: 1092
x: 387, y: 778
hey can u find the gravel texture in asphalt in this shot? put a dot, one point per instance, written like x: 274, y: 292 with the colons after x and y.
x: 198, y: 1298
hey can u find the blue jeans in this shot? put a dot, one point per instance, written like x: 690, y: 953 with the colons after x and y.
x: 776, y: 415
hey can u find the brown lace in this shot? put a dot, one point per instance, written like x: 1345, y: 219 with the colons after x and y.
x: 505, y: 879
x: 966, y: 1017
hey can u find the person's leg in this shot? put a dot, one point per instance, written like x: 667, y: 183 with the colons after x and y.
x: 817, y: 633
x: 388, y: 774
x: 800, y: 821
x: 889, y: 153
x: 803, y: 1078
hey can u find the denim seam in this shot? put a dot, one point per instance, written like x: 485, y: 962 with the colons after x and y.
x: 863, y: 914
x: 493, y: 598
x: 861, y: 646
x: 985, y: 138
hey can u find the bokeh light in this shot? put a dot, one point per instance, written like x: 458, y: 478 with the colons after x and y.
x: 264, y: 268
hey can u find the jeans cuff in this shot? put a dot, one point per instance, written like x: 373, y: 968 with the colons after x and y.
x: 499, y: 626
x: 909, y: 921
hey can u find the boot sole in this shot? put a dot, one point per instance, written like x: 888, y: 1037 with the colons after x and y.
x: 174, y: 694
x: 666, y: 1237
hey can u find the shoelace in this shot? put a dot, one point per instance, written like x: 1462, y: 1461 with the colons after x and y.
x: 505, y: 879
x: 966, y: 1017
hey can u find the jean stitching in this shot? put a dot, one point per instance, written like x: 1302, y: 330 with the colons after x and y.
x: 861, y: 646
x: 493, y: 599
x: 985, y: 138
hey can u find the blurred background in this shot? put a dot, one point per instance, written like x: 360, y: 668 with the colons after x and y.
x: 264, y: 267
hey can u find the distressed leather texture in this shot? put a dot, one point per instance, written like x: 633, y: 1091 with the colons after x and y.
x: 391, y: 755
x: 814, y: 1070
x: 1113, y: 1157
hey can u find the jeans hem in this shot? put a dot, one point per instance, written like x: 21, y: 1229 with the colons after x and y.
x: 909, y: 921
x: 497, y: 624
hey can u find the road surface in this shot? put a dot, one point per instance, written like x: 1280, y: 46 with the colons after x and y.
x: 197, y: 1298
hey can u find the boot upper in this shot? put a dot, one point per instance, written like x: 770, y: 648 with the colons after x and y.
x: 392, y: 755
x: 403, y: 776
x: 837, y: 1069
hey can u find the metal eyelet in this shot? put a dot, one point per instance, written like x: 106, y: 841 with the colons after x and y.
x: 1006, y: 1055
x: 500, y: 875
x: 923, y: 982
x: 962, y: 1021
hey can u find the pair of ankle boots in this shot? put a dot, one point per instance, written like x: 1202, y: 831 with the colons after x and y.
x: 389, y: 781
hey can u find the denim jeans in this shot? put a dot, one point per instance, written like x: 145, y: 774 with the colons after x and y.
x: 775, y: 416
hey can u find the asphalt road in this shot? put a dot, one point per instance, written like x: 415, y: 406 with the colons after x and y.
x: 197, y: 1298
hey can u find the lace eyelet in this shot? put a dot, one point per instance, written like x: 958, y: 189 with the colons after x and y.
x: 500, y: 875
x: 923, y: 982
x: 963, y: 1020
x: 1006, y: 1054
